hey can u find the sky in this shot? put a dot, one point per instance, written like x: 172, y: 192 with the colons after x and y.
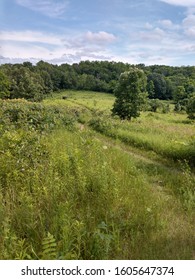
x: 67, y: 31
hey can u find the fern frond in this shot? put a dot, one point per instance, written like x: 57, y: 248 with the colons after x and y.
x: 49, y: 247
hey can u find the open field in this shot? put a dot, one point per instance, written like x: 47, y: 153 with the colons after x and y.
x: 76, y: 183
x: 88, y: 99
x: 169, y: 135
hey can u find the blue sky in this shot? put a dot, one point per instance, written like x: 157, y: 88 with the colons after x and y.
x: 67, y: 31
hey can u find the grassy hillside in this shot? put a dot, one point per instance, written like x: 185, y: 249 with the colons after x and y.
x: 88, y: 99
x: 76, y: 183
x: 170, y: 135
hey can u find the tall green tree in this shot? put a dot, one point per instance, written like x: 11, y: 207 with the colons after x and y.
x: 159, y: 85
x: 25, y: 84
x: 4, y: 85
x: 190, y: 108
x: 150, y: 89
x: 130, y: 94
x: 179, y: 94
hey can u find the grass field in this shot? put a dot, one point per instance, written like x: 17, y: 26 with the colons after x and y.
x: 76, y: 183
x: 91, y: 100
x: 169, y: 135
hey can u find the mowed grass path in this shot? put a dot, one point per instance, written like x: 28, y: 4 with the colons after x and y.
x: 136, y: 202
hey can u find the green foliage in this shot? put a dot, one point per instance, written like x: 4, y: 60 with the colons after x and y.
x: 4, y: 85
x: 103, y: 125
x: 130, y: 94
x: 165, y: 108
x: 34, y: 81
x: 49, y: 247
x: 163, y: 136
x: 187, y: 191
x: 150, y: 89
x: 179, y: 94
x: 154, y: 104
x: 157, y: 84
x: 25, y: 84
x: 177, y: 107
x: 190, y: 109
x: 35, y: 116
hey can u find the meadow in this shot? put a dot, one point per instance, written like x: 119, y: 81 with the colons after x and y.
x: 77, y: 183
x: 170, y: 135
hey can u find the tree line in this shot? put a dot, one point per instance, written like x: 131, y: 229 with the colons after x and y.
x: 33, y: 82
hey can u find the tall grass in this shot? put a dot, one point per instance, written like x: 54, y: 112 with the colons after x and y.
x: 91, y: 200
x: 66, y: 195
x: 174, y: 141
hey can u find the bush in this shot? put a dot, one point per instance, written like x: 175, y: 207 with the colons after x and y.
x: 190, y: 109
x: 35, y: 116
x: 102, y: 124
x: 154, y: 104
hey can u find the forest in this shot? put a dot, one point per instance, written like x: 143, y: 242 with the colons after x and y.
x: 34, y: 82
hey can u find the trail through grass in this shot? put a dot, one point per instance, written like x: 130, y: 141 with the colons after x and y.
x: 144, y: 201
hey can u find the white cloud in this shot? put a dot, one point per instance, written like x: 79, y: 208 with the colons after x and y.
x: 34, y: 46
x: 153, y: 35
x: 159, y: 47
x: 189, y: 26
x: 190, y: 32
x: 30, y: 36
x: 148, y: 25
x: 184, y: 3
x: 99, y: 37
x: 168, y: 24
x: 148, y: 56
x: 25, y: 51
x: 51, y: 8
x: 30, y: 43
x: 189, y: 21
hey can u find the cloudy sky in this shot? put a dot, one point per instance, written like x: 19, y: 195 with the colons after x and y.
x: 67, y: 31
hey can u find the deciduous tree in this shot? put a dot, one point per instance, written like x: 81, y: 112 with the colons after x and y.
x: 130, y: 94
